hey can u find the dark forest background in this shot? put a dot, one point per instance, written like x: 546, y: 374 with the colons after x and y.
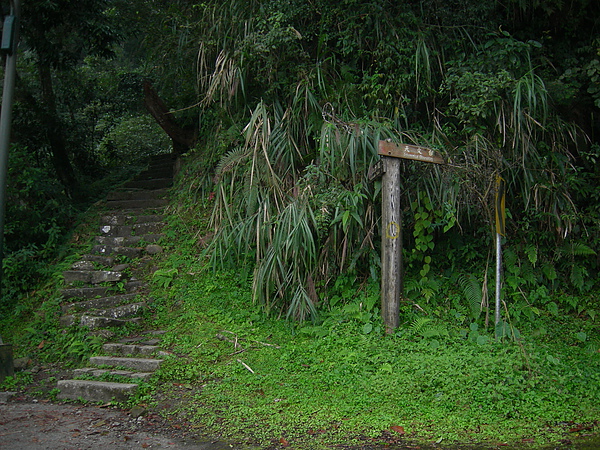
x: 280, y: 104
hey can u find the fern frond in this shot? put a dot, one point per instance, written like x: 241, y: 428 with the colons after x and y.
x: 231, y: 160
x: 532, y: 253
x: 578, y: 276
x: 472, y: 292
x: 419, y: 324
x: 528, y: 273
x: 436, y: 330
x: 578, y: 249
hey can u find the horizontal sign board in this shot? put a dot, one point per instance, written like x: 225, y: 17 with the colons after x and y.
x: 407, y: 151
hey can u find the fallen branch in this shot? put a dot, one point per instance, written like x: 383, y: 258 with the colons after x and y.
x: 245, y: 365
x: 223, y: 338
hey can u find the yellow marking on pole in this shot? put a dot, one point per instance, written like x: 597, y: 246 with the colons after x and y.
x: 391, y: 231
x: 500, y: 206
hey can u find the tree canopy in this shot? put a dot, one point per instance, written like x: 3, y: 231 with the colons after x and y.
x: 288, y: 100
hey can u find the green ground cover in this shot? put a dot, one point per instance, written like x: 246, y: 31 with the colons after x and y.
x: 438, y: 379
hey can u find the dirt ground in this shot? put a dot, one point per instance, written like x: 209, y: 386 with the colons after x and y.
x: 34, y: 425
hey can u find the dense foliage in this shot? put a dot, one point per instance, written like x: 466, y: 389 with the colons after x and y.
x: 290, y: 99
x: 298, y: 94
x: 79, y: 127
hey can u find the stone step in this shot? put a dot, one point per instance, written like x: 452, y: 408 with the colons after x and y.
x: 129, y: 252
x: 100, y: 260
x: 161, y: 163
x: 95, y: 372
x: 103, y: 317
x: 118, y: 241
x: 96, y: 322
x: 98, y: 303
x: 165, y: 167
x: 153, y: 203
x: 157, y: 183
x: 118, y: 219
x: 127, y: 241
x: 95, y: 391
x: 91, y: 276
x: 162, y: 157
x: 137, y: 194
x: 158, y: 172
x: 89, y: 266
x: 155, y: 173
x: 130, y: 230
x: 100, y: 291
x: 137, y: 364
x: 130, y: 349
x: 120, y: 312
x: 83, y: 265
x: 154, y: 338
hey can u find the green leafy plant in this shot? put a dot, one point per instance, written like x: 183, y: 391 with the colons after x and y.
x: 164, y: 277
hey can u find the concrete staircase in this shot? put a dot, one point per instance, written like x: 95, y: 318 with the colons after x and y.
x: 106, y: 288
x: 128, y: 362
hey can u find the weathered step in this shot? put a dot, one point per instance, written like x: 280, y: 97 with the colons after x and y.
x: 127, y: 241
x: 83, y: 265
x: 98, y: 303
x: 100, y: 291
x: 153, y: 203
x: 91, y: 276
x: 130, y: 349
x: 137, y: 194
x: 103, y: 317
x: 95, y: 391
x: 129, y: 230
x: 95, y: 259
x: 137, y: 364
x: 166, y: 167
x: 157, y: 183
x: 118, y: 241
x: 130, y: 219
x: 95, y: 322
x: 95, y: 372
x: 129, y: 252
x: 89, y: 266
x: 120, y: 312
x: 158, y: 172
x: 162, y: 157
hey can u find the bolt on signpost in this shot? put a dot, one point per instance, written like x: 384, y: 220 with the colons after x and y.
x: 391, y: 222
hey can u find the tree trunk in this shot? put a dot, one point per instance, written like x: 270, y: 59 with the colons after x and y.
x: 183, y: 138
x: 54, y: 132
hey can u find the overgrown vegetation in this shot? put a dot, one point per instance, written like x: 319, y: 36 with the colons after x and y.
x: 271, y: 290
x: 321, y: 83
x: 442, y: 377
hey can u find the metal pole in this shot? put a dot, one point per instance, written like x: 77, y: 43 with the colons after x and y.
x: 6, y: 120
x: 498, y: 275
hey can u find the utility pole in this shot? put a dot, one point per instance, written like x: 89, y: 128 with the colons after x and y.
x: 8, y: 46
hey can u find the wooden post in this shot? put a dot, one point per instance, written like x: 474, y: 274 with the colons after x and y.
x: 392, y: 283
x: 391, y: 243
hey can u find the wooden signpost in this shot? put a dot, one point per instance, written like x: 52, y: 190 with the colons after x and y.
x: 391, y: 221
